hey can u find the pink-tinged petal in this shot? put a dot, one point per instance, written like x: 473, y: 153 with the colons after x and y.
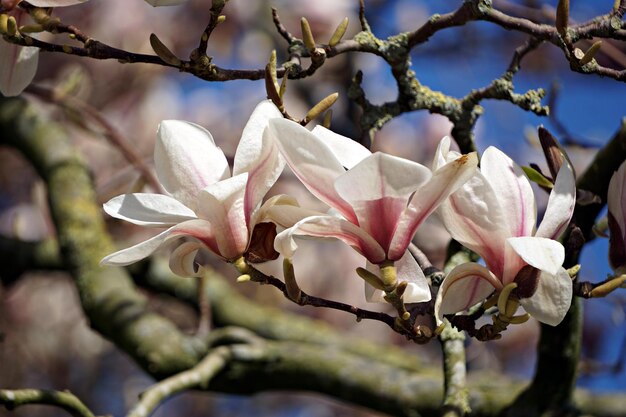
x: 542, y: 253
x: 312, y: 161
x: 417, y: 290
x: 378, y: 189
x: 444, y: 181
x: 158, y: 3
x: 284, y: 211
x: 513, y: 189
x: 183, y: 260
x: 332, y: 228
x: 474, y: 218
x: 560, y: 205
x: 347, y: 151
x: 263, y: 174
x: 148, y: 209
x: 258, y: 155
x: 18, y: 65
x: 187, y: 160
x: 616, y: 198
x: 464, y: 286
x: 55, y: 3
x: 222, y: 204
x: 551, y: 301
x: 197, y: 229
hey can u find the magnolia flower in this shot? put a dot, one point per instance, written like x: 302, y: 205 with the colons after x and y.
x: 381, y: 199
x: 494, y: 214
x: 18, y: 64
x: 214, y: 210
x: 617, y: 218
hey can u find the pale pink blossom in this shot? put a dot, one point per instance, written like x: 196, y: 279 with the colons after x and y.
x: 212, y: 209
x: 381, y: 199
x: 494, y: 214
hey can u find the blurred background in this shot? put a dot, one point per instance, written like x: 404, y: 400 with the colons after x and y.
x: 44, y: 339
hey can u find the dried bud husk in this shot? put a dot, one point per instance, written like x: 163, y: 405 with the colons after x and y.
x: 321, y: 107
x: 283, y: 83
x: 261, y: 248
x: 551, y: 150
x: 537, y: 177
x: 527, y: 280
x: 11, y: 26
x: 4, y: 18
x: 562, y: 16
x: 328, y: 117
x: 270, y: 88
x: 163, y: 51
x: 307, y: 35
x: 370, y: 278
x: 608, y: 287
x: 591, y: 52
x: 36, y: 28
x: 293, y: 290
x: 339, y: 32
x: 401, y: 288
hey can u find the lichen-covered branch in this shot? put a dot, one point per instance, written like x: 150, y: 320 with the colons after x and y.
x: 67, y: 401
x: 197, y: 377
x: 113, y: 306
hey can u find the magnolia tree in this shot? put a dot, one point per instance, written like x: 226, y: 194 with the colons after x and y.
x: 502, y: 268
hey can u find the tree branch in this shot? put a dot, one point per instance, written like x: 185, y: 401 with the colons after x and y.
x: 67, y: 401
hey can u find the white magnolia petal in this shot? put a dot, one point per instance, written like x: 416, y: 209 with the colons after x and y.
x: 18, y: 66
x: 157, y: 3
x: 250, y: 145
x: 55, y: 3
x: 312, y: 161
x: 284, y: 211
x: 378, y: 189
x: 560, y: 204
x: 183, y: 260
x: 349, y: 152
x: 262, y: 175
x: 187, y: 160
x: 332, y: 228
x: 198, y: 229
x: 148, y: 209
x: 443, y: 154
x: 464, y: 286
x: 474, y: 218
x: 444, y: 181
x: 551, y: 301
x: 616, y: 197
x: 513, y: 189
x: 222, y: 204
x: 417, y: 290
x: 542, y: 253
x: 258, y: 155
